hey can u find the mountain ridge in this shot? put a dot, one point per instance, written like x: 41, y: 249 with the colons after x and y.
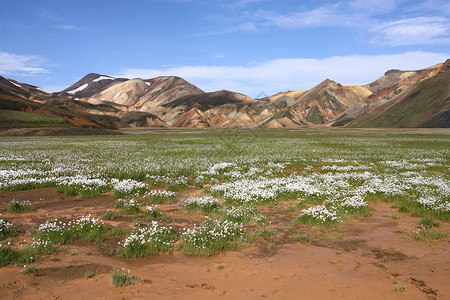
x: 102, y: 101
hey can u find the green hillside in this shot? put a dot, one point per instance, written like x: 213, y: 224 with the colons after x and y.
x: 414, y: 109
x: 10, y: 118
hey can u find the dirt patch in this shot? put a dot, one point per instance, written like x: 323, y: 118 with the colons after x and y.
x: 390, y: 255
x: 421, y: 285
x: 68, y: 273
x: 359, y: 260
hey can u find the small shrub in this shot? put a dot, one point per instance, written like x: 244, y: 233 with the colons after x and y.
x: 19, y: 206
x: 429, y: 223
x: 9, y: 256
x: 59, y: 232
x: 205, y: 204
x: 319, y: 216
x: 242, y: 214
x: 82, y: 187
x: 211, y: 236
x: 129, y: 206
x: 152, y: 212
x: 128, y: 188
x: 122, y: 278
x: 5, y: 229
x: 29, y: 269
x: 89, y: 274
x: 146, y: 241
x: 27, y: 255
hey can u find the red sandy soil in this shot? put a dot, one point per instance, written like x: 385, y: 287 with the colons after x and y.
x: 362, y: 260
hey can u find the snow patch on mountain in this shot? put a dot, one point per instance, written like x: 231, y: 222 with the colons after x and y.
x: 102, y: 78
x: 79, y: 89
x: 15, y: 84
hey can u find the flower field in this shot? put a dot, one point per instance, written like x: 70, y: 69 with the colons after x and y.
x: 189, y: 192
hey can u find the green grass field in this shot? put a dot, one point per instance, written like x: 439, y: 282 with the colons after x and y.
x: 326, y: 177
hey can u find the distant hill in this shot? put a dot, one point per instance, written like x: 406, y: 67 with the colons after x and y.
x: 25, y: 106
x: 397, y: 99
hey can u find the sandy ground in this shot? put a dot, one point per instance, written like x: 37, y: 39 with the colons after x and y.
x: 363, y: 260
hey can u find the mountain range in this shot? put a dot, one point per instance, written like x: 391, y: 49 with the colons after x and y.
x: 399, y: 99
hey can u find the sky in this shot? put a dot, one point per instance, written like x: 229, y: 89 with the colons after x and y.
x: 255, y: 47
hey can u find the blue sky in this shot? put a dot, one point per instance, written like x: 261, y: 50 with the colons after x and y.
x: 248, y: 46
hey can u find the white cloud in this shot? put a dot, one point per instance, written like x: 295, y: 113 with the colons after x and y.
x: 414, y: 31
x: 218, y: 55
x: 374, y: 6
x: 70, y: 27
x: 423, y: 22
x: 21, y: 65
x: 47, y: 14
x: 327, y: 15
x: 292, y: 74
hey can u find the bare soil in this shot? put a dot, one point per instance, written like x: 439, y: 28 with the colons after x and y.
x: 365, y: 259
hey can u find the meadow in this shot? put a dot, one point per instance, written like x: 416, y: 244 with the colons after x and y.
x: 230, y: 181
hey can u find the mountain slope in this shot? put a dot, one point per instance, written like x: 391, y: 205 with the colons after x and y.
x: 90, y: 85
x: 49, y: 110
x: 425, y: 105
x: 326, y: 100
x: 144, y: 95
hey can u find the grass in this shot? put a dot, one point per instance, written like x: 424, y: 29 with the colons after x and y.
x: 176, y: 157
x: 5, y: 230
x: 110, y: 215
x: 399, y: 287
x: 359, y: 212
x: 129, y: 206
x: 122, y: 278
x: 427, y: 235
x: 116, y: 231
x: 268, y: 232
x: 203, y: 209
x: 158, y: 199
x: 290, y: 209
x: 300, y: 237
x: 392, y: 216
x: 405, y: 204
x: 29, y: 269
x: 27, y: 255
x: 79, y: 192
x: 429, y: 223
x: 11, y: 118
x: 311, y: 221
x: 16, y: 207
x: 332, y: 236
x: 57, y: 234
x: 152, y: 213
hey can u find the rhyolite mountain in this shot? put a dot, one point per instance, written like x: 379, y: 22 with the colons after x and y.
x: 397, y: 99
